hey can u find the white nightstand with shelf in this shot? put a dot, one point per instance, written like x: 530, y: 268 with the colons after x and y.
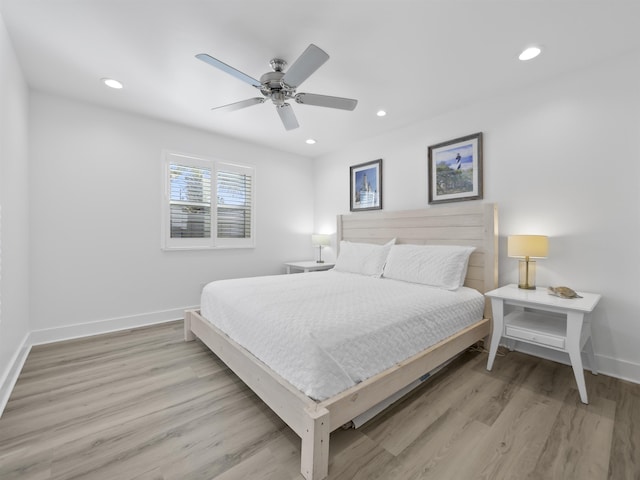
x: 541, y: 319
x: 308, y: 266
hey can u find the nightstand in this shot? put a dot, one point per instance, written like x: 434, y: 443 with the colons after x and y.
x: 308, y: 266
x: 541, y: 319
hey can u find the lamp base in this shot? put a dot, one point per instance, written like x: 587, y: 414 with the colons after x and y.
x: 527, y: 274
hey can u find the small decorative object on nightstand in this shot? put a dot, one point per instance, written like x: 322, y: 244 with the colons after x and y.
x: 527, y: 247
x: 308, y: 266
x: 320, y: 240
x: 545, y: 320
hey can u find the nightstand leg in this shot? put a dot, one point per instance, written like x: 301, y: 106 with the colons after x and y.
x: 498, y: 322
x: 574, y: 331
x: 591, y: 356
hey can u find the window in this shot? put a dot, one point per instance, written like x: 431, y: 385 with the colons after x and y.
x: 207, y: 203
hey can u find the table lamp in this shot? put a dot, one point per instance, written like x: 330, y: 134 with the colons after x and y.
x: 320, y: 240
x: 526, y: 247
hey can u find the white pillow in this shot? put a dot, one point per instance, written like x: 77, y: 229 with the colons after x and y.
x: 363, y: 258
x: 443, y: 266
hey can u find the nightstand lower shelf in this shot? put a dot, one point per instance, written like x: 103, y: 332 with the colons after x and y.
x: 536, y: 328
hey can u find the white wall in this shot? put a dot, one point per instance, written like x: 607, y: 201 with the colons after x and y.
x: 96, y: 182
x: 561, y: 159
x: 14, y: 225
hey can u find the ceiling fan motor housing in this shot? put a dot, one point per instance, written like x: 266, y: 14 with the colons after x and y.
x: 272, y: 85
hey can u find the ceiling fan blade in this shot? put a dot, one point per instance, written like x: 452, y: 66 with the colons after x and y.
x: 230, y: 70
x: 287, y: 116
x: 307, y: 63
x: 232, y: 107
x: 326, y: 101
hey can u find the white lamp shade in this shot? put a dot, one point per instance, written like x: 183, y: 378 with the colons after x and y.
x: 521, y: 246
x: 319, y: 239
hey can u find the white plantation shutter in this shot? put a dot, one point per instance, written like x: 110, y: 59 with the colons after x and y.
x: 190, y: 201
x: 235, y: 198
x: 208, y: 204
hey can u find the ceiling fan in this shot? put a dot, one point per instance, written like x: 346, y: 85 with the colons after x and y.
x: 279, y: 86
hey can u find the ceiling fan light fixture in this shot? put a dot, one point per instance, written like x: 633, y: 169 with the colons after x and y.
x: 112, y: 83
x: 529, y: 53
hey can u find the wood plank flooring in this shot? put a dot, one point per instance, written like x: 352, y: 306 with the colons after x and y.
x: 144, y: 405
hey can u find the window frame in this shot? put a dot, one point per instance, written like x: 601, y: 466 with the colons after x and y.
x: 215, y: 166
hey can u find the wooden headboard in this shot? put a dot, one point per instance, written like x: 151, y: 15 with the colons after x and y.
x: 472, y: 223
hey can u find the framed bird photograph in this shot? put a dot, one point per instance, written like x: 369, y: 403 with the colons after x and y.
x: 455, y: 170
x: 366, y: 186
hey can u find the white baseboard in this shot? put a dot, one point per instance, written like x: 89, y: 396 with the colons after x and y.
x: 10, y: 377
x: 622, y: 369
x: 69, y: 332
x: 612, y: 367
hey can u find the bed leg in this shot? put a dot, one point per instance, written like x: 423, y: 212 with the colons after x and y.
x: 188, y: 334
x: 314, y: 463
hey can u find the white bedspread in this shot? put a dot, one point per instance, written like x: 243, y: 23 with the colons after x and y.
x: 326, y: 331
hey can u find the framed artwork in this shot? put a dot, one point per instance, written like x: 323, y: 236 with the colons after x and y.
x: 455, y: 170
x: 366, y: 186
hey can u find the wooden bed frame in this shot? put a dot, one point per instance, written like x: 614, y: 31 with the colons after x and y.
x: 470, y: 223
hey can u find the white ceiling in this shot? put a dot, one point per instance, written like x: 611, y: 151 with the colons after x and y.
x: 415, y: 59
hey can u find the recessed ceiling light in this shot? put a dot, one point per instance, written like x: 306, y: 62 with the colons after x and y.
x: 110, y: 82
x: 310, y: 141
x: 529, y: 53
x: 381, y: 113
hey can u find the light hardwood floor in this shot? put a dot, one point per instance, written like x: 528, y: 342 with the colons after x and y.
x: 145, y: 405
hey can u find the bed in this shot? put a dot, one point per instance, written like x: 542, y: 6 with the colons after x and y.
x: 312, y: 413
